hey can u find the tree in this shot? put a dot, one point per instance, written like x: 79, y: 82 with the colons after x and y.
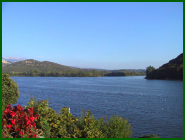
x: 95, y: 73
x: 36, y: 72
x: 68, y: 73
x: 150, y: 72
x: 10, y: 92
x: 31, y: 73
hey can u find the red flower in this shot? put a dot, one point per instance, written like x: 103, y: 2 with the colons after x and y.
x: 22, y: 133
x: 8, y: 106
x: 13, y: 121
x: 30, y: 110
x: 6, y: 111
x: 20, y: 107
x: 25, y: 117
x: 36, y: 116
x: 32, y: 118
x: 13, y: 114
x: 8, y: 125
x: 29, y: 126
x: 28, y: 122
x: 34, y: 135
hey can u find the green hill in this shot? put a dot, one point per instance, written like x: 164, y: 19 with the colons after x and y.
x: 31, y: 64
x: 171, y: 70
x: 31, y: 67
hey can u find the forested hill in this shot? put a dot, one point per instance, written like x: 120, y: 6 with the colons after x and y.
x: 31, y: 67
x: 31, y: 64
x: 171, y: 70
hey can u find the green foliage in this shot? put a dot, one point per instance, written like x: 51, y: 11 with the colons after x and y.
x: 150, y: 72
x: 95, y: 73
x: 46, y: 115
x: 171, y: 70
x: 117, y: 127
x: 88, y: 126
x: 46, y: 129
x: 10, y: 92
x: 65, y: 125
x: 119, y: 73
x: 69, y: 73
x: 60, y: 125
x: 125, y: 73
x: 150, y: 136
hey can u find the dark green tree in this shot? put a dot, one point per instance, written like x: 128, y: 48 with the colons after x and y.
x: 10, y: 92
x: 150, y: 72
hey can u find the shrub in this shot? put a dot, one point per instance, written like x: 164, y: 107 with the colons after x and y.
x: 46, y: 115
x: 117, y: 127
x: 10, y: 91
x: 18, y: 122
x: 52, y: 124
x: 65, y: 125
x: 88, y: 126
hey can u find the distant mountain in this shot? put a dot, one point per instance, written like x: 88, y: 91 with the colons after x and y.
x: 5, y: 63
x: 171, y: 70
x: 31, y: 64
x: 13, y: 59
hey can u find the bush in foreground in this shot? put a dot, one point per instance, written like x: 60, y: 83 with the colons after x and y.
x: 65, y: 125
x: 10, y: 92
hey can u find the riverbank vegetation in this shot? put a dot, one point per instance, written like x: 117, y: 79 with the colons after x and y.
x: 74, y: 73
x: 172, y: 70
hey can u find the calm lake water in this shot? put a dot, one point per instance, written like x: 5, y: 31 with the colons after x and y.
x: 152, y: 106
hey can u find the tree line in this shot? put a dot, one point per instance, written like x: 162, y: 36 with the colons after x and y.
x: 74, y: 73
x: 171, y: 70
x: 174, y: 73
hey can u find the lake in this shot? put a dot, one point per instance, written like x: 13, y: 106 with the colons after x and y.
x: 152, y: 106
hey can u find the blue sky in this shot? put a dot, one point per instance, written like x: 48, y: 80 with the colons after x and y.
x: 94, y: 35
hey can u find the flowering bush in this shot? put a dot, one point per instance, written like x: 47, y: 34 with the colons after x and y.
x: 18, y: 122
x: 46, y: 116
